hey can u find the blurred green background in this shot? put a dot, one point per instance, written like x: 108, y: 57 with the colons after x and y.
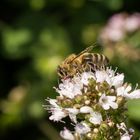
x: 35, y: 36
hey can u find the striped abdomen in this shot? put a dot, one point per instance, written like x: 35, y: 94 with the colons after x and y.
x: 94, y: 61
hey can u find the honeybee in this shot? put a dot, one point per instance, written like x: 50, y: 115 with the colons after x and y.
x: 84, y: 61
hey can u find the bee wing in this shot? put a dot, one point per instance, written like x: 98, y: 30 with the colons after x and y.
x: 85, y: 51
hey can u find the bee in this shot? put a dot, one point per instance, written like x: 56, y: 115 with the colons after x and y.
x: 84, y: 61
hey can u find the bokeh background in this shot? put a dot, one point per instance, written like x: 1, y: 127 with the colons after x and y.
x: 36, y: 35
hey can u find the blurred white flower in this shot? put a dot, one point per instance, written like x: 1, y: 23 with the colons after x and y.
x: 114, y: 31
x: 95, y: 118
x: 114, y: 34
x: 66, y: 134
x: 132, y: 22
x: 108, y: 101
x: 119, y: 25
x: 117, y: 21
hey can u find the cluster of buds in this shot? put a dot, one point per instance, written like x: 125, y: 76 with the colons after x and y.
x: 95, y: 102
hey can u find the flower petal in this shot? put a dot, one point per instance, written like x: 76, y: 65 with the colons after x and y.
x: 101, y: 76
x: 108, y: 101
x: 95, y: 118
x: 82, y: 128
x: 125, y: 137
x: 133, y: 95
x: 86, y: 109
x: 85, y: 76
x: 117, y: 80
x: 57, y: 114
x: 66, y: 134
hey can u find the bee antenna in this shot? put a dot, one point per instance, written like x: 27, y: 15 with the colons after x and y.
x: 96, y: 44
x: 86, y: 50
x: 91, y: 47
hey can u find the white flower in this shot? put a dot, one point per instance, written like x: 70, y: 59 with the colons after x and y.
x: 101, y: 76
x: 126, y: 137
x: 117, y: 80
x: 125, y: 92
x: 85, y: 76
x: 52, y: 102
x: 72, y: 114
x: 72, y: 110
x: 95, y: 118
x: 110, y: 77
x: 110, y: 72
x: 86, y: 109
x: 82, y: 128
x: 66, y: 134
x: 69, y: 88
x: 114, y: 80
x: 124, y: 132
x: 108, y: 101
x: 134, y: 95
x: 57, y: 114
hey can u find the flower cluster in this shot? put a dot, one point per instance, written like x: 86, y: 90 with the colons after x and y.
x: 119, y: 26
x: 95, y: 103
